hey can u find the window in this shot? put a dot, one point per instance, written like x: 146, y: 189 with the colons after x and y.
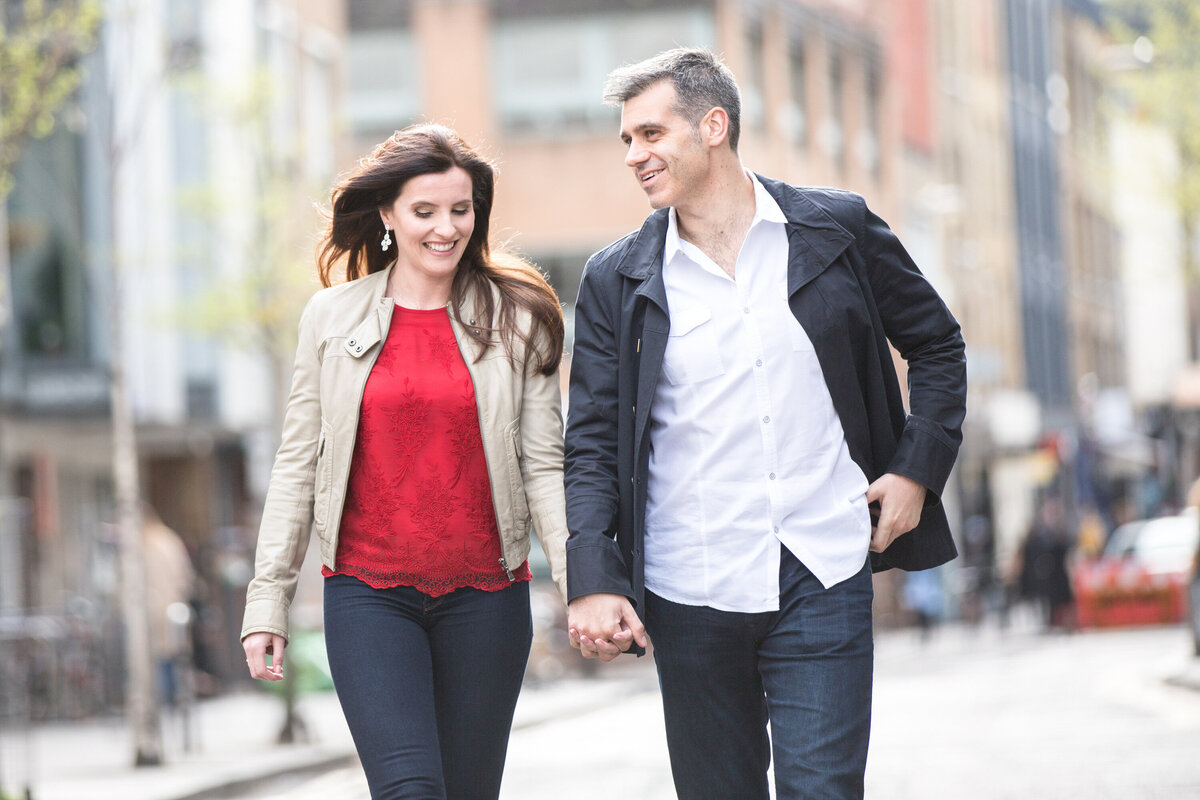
x: 548, y: 72
x: 752, y: 87
x: 384, y: 82
x: 46, y: 246
x: 796, y: 122
x: 867, y: 146
x: 832, y: 127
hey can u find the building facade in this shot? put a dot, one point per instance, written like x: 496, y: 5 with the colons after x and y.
x: 146, y: 204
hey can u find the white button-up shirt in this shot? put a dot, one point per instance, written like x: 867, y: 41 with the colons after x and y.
x: 747, y: 450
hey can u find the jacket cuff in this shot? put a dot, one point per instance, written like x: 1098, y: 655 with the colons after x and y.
x: 265, y: 615
x: 923, y: 455
x: 595, y: 565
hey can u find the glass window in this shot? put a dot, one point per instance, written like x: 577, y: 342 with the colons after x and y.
x: 752, y: 86
x: 832, y: 133
x: 796, y: 123
x: 867, y: 146
x: 548, y: 73
x: 46, y: 247
x: 384, y: 81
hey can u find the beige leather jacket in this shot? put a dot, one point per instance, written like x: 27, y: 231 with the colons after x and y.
x: 341, y: 333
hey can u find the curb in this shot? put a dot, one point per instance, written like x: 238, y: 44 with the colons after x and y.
x: 239, y: 786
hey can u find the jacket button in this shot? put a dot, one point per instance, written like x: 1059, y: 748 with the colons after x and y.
x: 358, y: 349
x: 352, y: 343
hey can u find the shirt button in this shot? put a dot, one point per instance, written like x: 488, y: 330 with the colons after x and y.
x: 772, y: 476
x: 777, y: 529
x: 758, y: 363
x: 746, y: 310
x: 766, y: 419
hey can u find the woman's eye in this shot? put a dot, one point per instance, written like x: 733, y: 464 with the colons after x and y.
x: 423, y: 214
x: 461, y: 211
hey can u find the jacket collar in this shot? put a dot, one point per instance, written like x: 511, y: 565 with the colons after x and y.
x: 643, y: 260
x: 815, y: 240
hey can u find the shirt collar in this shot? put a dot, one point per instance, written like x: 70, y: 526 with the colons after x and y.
x: 765, y: 210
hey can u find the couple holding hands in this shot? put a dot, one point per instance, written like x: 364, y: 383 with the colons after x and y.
x: 737, y: 460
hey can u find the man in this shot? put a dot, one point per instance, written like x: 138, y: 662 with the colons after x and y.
x: 734, y: 411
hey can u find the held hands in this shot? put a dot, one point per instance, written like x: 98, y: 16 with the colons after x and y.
x: 257, y: 647
x: 900, y: 502
x: 604, y: 626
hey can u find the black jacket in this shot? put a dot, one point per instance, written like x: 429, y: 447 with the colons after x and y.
x: 853, y: 288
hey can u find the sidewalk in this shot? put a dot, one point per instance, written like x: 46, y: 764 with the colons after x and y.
x: 234, y: 737
x: 233, y: 744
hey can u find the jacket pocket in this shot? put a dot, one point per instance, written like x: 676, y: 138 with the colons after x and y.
x: 324, y: 477
x: 516, y: 483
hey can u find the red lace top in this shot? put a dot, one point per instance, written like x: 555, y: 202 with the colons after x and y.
x: 418, y: 508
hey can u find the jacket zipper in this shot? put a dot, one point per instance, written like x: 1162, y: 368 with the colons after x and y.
x: 362, y: 387
x: 507, y: 571
x: 483, y: 441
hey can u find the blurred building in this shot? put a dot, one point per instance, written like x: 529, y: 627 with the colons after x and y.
x: 835, y: 93
x: 156, y: 165
x: 522, y: 80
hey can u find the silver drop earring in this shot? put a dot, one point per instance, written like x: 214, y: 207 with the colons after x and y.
x: 387, y: 239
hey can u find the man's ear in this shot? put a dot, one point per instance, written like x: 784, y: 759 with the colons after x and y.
x: 714, y: 126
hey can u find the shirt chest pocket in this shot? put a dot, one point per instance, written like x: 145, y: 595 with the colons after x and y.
x: 692, y: 354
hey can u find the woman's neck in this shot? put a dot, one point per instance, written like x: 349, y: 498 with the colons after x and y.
x: 408, y: 291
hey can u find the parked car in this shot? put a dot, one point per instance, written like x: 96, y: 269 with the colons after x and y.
x: 1142, y: 576
x: 1194, y: 600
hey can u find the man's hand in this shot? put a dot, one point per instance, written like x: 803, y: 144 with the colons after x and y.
x: 604, y: 625
x: 900, y: 502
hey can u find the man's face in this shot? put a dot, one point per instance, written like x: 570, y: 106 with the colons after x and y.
x: 665, y: 152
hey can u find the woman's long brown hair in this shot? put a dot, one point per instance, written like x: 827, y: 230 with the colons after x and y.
x: 351, y: 242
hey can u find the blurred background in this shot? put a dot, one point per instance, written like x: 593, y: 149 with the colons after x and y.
x: 163, y: 165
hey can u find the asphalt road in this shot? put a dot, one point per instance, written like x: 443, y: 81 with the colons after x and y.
x: 986, y: 715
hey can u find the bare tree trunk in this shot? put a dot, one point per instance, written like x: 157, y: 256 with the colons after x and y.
x: 141, y: 699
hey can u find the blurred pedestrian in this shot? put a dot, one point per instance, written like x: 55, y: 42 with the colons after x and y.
x: 170, y: 583
x: 1044, y: 556
x: 923, y: 596
x: 423, y: 436
x: 735, y: 417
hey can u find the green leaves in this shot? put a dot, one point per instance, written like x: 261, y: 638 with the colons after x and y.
x: 40, y: 47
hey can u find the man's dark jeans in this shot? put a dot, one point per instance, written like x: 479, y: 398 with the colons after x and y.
x: 428, y: 684
x: 806, y: 668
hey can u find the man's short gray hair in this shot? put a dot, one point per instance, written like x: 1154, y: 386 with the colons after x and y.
x: 701, y: 79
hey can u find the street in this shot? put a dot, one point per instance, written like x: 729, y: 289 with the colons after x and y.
x: 986, y: 715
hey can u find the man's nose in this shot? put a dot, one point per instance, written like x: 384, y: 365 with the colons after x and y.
x: 635, y: 155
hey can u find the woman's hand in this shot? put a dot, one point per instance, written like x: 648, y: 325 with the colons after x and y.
x: 258, y: 646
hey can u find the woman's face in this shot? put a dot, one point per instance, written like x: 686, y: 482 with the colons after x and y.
x: 431, y: 223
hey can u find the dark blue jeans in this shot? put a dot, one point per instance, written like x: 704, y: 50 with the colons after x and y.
x: 806, y: 668
x: 428, y: 684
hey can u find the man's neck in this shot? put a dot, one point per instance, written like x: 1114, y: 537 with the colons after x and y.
x: 717, y: 218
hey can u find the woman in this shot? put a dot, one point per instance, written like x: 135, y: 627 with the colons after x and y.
x: 423, y: 436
